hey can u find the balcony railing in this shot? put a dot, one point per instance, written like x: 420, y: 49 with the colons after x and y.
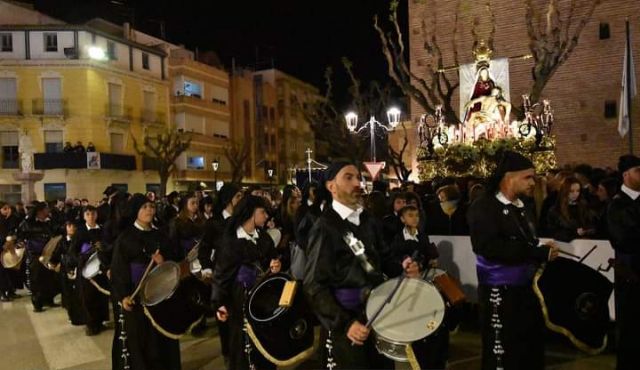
x: 9, y: 107
x: 118, y: 112
x: 107, y: 161
x: 151, y: 116
x: 49, y: 107
x: 199, y: 102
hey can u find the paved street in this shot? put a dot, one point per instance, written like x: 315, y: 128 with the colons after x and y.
x: 47, y: 341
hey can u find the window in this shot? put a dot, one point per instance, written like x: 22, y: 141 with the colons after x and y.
x: 605, y: 31
x: 10, y: 156
x: 53, y: 141
x: 192, y: 89
x: 195, y: 162
x: 610, y: 109
x: 117, y: 142
x: 272, y: 114
x: 55, y: 191
x: 145, y: 61
x: 115, y: 100
x: 51, y: 42
x: 11, y: 193
x: 111, y: 50
x: 8, y: 102
x: 148, y: 112
x: 6, y: 42
x: 52, y: 94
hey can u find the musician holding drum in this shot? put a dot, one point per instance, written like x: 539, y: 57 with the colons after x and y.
x: 507, y: 249
x: 138, y: 244
x: 337, y: 280
x: 243, y: 257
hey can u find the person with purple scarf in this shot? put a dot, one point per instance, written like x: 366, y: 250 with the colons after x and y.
x: 508, y: 252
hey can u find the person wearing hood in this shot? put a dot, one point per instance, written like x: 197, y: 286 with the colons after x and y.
x: 138, y: 244
x: 508, y: 252
x: 447, y: 215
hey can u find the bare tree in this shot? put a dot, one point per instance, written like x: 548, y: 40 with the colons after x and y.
x: 553, y: 39
x: 237, y: 152
x: 396, y: 158
x: 164, y: 148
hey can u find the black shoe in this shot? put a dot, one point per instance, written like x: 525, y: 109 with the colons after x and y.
x: 13, y: 295
x: 38, y: 309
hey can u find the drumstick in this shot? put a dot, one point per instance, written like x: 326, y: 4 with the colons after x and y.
x: 568, y: 254
x: 144, y: 276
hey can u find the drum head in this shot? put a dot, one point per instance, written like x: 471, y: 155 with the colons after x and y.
x: 195, y: 266
x: 275, y: 235
x: 264, y: 300
x: 11, y: 260
x: 91, y: 267
x: 161, y: 283
x: 416, y: 310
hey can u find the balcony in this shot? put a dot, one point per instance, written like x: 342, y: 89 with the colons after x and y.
x: 10, y: 107
x: 107, y: 161
x: 118, y: 113
x: 50, y: 107
x: 152, y: 117
x: 197, y: 101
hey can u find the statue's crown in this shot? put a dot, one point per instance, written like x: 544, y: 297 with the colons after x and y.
x: 482, y: 53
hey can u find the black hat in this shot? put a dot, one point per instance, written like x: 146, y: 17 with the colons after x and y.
x: 110, y: 190
x: 135, y: 203
x: 627, y: 162
x: 512, y: 162
x: 226, y: 193
x: 335, y: 167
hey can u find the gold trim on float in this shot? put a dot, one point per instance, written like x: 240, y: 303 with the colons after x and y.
x: 165, y: 332
x: 559, y: 329
x: 288, y: 362
x: 411, y: 357
x: 100, y: 289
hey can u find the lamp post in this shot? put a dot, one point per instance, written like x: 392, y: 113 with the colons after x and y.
x: 393, y: 116
x: 215, y: 165
x: 270, y: 174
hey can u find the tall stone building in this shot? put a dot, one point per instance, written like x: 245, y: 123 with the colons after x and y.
x: 584, y: 92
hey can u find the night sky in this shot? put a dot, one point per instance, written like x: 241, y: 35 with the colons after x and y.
x: 299, y: 37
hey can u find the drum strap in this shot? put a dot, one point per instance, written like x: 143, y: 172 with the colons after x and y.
x: 100, y: 289
x: 411, y: 356
x: 286, y: 362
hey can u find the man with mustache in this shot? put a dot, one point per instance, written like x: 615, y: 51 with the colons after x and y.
x: 336, y: 281
x: 508, y: 252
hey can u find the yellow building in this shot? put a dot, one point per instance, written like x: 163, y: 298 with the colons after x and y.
x: 76, y: 83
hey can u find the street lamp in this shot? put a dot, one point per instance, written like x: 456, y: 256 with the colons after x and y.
x: 270, y: 174
x: 97, y: 53
x: 393, y: 116
x: 215, y: 165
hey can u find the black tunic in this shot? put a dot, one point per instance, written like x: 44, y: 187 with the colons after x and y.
x: 10, y: 279
x: 503, y: 235
x: 623, y: 221
x: 332, y: 267
x: 238, y: 258
x: 147, y: 348
x: 71, y: 298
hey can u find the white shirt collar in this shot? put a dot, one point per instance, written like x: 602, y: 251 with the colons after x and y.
x: 225, y: 214
x: 140, y: 227
x: 503, y: 199
x: 408, y: 236
x: 241, y: 234
x: 92, y: 228
x: 630, y: 192
x: 347, y: 213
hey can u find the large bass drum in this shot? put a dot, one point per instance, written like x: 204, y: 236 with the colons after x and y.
x: 577, y: 307
x: 415, y: 312
x: 283, y: 335
x: 173, y: 305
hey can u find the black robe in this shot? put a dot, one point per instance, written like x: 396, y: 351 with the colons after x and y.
x: 623, y: 221
x: 331, y: 269
x: 71, y: 298
x: 10, y: 279
x: 147, y: 348
x: 504, y: 235
x: 238, y: 258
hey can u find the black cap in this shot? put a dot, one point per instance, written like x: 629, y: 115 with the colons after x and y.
x: 513, y: 162
x: 627, y: 162
x: 335, y: 167
x: 226, y: 193
x: 109, y: 190
x: 135, y: 203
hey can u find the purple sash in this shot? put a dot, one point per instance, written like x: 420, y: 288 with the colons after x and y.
x: 492, y: 273
x: 36, y: 246
x: 349, y: 298
x: 137, y: 270
x: 187, y: 244
x: 247, y: 276
x: 85, y: 248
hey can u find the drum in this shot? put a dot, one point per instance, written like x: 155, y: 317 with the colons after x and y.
x: 12, y: 257
x: 575, y: 307
x: 415, y: 312
x: 91, y: 271
x: 48, y: 250
x: 173, y: 305
x: 275, y: 235
x: 283, y: 334
x: 448, y: 286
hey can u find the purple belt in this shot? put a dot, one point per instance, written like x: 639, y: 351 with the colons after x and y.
x: 187, y: 244
x: 85, y: 248
x: 247, y: 276
x: 137, y: 270
x: 349, y: 298
x: 36, y: 246
x: 492, y: 273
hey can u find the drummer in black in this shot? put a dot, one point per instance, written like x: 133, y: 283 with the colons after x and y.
x: 623, y: 221
x: 508, y: 252
x: 89, y: 241
x: 66, y: 265
x: 136, y: 246
x: 244, y: 255
x: 336, y: 282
